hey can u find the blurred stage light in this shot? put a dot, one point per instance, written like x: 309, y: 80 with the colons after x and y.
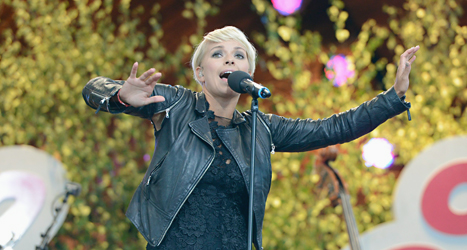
x: 339, y: 70
x: 286, y: 7
x: 378, y: 152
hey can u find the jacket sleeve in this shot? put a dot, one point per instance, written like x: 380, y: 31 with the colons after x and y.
x: 100, y: 94
x: 298, y: 135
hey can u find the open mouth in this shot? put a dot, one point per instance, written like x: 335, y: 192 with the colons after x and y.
x: 225, y: 75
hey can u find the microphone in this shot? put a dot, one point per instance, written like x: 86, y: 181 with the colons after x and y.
x: 241, y: 82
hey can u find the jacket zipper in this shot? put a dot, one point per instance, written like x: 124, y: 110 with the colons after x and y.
x: 151, y: 174
x: 210, y: 162
x: 102, y: 101
x: 273, y: 147
x: 167, y: 110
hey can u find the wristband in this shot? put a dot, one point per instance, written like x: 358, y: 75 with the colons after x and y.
x: 120, y: 101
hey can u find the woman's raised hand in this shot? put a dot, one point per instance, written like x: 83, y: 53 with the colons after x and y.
x: 137, y: 91
x: 402, y: 75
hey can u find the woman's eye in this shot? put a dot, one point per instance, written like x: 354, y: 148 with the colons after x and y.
x: 217, y: 54
x: 240, y: 56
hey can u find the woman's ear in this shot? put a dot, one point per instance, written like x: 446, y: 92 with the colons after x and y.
x: 199, y: 74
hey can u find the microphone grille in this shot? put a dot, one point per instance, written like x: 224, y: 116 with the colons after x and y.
x: 236, y: 78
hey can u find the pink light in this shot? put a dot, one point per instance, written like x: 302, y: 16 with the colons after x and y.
x: 378, y: 152
x: 286, y: 7
x: 28, y: 192
x: 338, y: 70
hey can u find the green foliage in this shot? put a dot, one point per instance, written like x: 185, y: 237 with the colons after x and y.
x: 297, y: 217
x: 48, y: 52
x: 438, y: 93
x: 50, y: 49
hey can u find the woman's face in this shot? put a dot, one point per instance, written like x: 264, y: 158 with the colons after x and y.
x: 218, y: 60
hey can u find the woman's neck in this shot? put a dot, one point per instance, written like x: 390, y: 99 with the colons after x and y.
x: 222, y: 107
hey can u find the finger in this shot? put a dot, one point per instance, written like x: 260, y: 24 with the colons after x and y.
x: 134, y: 69
x: 412, y: 51
x: 146, y: 74
x: 153, y: 78
x: 406, y: 53
x: 412, y: 59
x: 155, y: 99
x: 408, y: 66
x: 404, y: 59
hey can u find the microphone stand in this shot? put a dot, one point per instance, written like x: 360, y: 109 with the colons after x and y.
x: 45, y: 236
x: 254, y: 111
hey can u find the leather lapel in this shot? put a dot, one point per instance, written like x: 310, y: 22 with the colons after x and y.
x: 232, y: 140
x: 200, y: 128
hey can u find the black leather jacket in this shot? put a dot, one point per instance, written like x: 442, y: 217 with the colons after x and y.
x: 184, y: 149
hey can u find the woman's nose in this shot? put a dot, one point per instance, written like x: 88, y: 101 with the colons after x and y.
x: 229, y: 59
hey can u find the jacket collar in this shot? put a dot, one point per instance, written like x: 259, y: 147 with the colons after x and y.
x: 200, y: 107
x: 238, y: 118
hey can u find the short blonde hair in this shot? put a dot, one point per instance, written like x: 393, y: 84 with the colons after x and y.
x: 227, y: 33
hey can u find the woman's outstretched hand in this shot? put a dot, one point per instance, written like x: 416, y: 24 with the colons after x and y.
x: 137, y: 91
x: 402, y: 75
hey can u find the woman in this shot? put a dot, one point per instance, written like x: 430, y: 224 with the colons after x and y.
x: 194, y: 194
